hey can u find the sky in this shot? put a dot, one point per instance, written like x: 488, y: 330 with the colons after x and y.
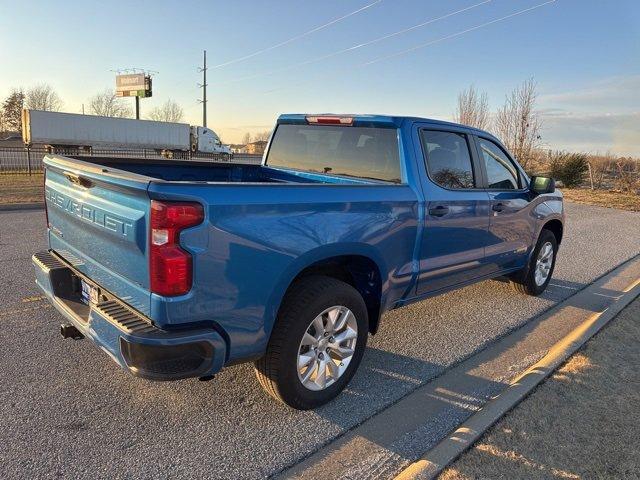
x: 344, y: 56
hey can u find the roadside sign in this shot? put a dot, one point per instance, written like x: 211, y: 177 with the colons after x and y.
x: 133, y: 85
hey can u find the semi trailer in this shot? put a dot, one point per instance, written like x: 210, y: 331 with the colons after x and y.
x: 68, y: 131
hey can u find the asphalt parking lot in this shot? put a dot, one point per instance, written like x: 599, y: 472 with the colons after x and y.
x: 67, y: 410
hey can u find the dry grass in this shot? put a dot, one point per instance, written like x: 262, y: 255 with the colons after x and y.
x: 603, y: 198
x: 581, y: 423
x: 19, y: 188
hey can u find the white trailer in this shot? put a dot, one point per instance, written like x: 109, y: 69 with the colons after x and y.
x: 65, y: 130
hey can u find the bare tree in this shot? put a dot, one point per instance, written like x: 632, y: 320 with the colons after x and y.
x: 169, y: 111
x: 246, y: 139
x: 262, y: 136
x: 107, y: 104
x: 473, y: 108
x: 12, y: 110
x: 518, y: 124
x: 43, y: 97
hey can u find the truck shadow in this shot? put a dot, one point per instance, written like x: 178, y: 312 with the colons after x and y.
x: 402, y: 424
x: 416, y: 405
x: 384, y: 378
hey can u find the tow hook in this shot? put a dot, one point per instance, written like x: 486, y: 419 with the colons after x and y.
x: 67, y: 330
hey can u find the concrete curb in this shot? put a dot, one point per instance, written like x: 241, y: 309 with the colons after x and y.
x: 434, y: 461
x: 21, y: 206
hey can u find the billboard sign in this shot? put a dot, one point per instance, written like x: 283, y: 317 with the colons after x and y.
x: 133, y: 85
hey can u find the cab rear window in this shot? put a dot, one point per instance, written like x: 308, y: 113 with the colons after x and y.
x: 360, y: 152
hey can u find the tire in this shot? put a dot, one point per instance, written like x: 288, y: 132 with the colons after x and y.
x: 308, y: 299
x: 525, y: 281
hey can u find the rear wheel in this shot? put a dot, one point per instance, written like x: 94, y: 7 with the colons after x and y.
x: 533, y: 280
x: 317, y: 343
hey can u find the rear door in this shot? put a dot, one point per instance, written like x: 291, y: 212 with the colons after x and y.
x: 511, y: 228
x: 456, y: 221
x: 97, y: 219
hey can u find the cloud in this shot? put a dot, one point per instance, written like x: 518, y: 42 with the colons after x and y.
x: 614, y: 93
x: 615, y: 133
x: 603, y: 116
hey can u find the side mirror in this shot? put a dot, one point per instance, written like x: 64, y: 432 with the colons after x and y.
x: 539, y: 185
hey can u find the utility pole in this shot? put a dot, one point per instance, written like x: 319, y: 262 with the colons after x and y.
x: 203, y: 85
x: 137, y: 107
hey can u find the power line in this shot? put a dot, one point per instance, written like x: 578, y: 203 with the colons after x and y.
x: 453, y: 35
x: 438, y: 40
x: 355, y: 47
x: 297, y: 37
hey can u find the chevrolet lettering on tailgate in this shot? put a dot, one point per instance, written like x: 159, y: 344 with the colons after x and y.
x: 92, y: 214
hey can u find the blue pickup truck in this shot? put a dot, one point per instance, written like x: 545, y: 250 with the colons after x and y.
x: 177, y: 269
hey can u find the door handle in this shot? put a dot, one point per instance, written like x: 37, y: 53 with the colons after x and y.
x: 498, y: 207
x: 438, y: 211
x: 78, y: 180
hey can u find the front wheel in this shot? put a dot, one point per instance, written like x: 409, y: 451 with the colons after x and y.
x: 317, y: 343
x: 533, y: 280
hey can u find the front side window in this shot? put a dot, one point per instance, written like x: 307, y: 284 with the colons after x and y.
x: 361, y: 152
x: 501, y: 172
x: 448, y: 159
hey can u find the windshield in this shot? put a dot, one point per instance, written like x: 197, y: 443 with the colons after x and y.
x: 361, y: 152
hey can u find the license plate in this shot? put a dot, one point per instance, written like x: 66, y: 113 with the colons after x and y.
x: 89, y: 293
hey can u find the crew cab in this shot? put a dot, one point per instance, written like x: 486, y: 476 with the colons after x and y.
x: 178, y: 269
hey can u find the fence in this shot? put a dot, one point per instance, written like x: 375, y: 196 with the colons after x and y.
x: 29, y: 160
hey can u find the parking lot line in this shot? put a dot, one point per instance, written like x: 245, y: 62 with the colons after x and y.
x: 435, y: 460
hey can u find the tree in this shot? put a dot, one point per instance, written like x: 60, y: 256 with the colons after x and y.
x: 12, y: 110
x: 262, y: 136
x: 246, y: 139
x: 43, y: 97
x: 169, y: 111
x: 473, y: 109
x: 518, y: 124
x: 107, y: 104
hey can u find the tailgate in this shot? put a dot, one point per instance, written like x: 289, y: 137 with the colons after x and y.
x: 98, y: 223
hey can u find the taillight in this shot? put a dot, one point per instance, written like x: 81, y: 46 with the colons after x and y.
x: 170, y: 267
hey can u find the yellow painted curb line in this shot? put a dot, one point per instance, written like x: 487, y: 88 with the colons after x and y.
x: 435, y: 460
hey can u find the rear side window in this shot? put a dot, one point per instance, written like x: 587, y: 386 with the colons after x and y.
x: 360, y: 152
x: 501, y: 172
x: 448, y: 159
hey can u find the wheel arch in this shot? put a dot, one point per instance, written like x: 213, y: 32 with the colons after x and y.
x: 556, y: 227
x: 361, y: 267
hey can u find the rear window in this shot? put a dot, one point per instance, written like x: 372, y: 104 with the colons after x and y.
x: 360, y: 152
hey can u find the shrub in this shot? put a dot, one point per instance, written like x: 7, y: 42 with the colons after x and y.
x: 627, y: 179
x: 569, y: 168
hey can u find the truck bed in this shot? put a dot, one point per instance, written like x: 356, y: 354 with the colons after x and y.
x: 183, y: 170
x: 193, y: 171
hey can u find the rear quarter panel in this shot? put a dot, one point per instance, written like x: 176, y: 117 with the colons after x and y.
x: 257, y: 238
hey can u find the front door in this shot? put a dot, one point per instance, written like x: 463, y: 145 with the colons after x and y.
x: 456, y: 211
x: 510, y: 227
